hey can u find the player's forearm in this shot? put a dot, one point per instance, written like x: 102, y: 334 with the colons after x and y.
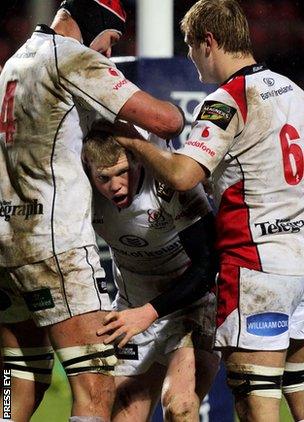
x: 160, y: 117
x: 198, y: 242
x: 177, y: 171
x: 190, y: 287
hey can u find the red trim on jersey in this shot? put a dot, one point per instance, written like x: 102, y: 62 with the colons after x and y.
x: 228, y: 292
x: 236, y: 88
x: 115, y: 7
x: 235, y: 242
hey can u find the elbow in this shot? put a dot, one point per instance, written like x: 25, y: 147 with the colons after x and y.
x: 173, y: 123
x: 181, y: 182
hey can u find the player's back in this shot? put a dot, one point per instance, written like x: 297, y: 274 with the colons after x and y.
x: 43, y: 139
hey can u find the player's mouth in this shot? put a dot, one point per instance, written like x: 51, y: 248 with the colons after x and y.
x: 120, y: 200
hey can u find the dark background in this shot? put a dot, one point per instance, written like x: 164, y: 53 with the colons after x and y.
x: 277, y: 29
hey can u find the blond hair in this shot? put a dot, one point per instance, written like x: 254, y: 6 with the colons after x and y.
x: 101, y: 148
x: 224, y: 19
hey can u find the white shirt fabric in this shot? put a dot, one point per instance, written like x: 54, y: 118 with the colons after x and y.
x: 146, y: 249
x: 249, y: 134
x: 45, y: 196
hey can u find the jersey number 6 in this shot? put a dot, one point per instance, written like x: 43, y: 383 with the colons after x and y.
x: 7, y: 122
x: 293, y: 160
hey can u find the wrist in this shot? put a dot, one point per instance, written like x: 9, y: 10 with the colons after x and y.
x: 151, y: 311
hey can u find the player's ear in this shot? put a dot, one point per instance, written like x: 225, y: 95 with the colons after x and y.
x: 209, y: 41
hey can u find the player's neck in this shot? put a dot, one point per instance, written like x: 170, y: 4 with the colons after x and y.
x: 230, y: 63
x: 64, y: 25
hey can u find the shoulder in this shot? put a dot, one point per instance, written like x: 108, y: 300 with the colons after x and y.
x: 218, y: 107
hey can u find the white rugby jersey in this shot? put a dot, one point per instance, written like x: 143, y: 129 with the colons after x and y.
x: 145, y: 246
x: 48, y: 89
x: 249, y: 135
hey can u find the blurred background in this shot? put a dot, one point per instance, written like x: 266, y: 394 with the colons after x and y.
x: 277, y: 29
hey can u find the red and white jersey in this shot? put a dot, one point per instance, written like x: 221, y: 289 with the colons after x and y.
x: 48, y: 90
x: 144, y: 238
x: 249, y: 134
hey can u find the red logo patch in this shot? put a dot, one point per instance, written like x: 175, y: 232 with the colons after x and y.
x: 113, y: 72
x: 205, y: 132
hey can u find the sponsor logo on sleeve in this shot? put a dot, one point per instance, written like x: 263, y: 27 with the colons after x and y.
x: 201, y: 145
x: 268, y: 324
x: 120, y: 84
x: 216, y: 112
x: 205, y: 132
x: 113, y: 72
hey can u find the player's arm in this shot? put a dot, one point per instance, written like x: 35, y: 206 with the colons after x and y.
x: 193, y: 284
x: 157, y: 116
x: 175, y: 170
x: 199, y: 278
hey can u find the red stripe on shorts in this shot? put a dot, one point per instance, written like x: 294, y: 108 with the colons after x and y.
x: 228, y: 292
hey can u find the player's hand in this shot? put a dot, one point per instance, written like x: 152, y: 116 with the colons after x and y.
x: 124, y: 141
x: 127, y: 323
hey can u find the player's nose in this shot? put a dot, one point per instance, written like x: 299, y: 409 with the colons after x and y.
x: 115, y: 184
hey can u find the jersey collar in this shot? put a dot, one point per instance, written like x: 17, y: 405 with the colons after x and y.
x: 248, y: 70
x: 44, y: 29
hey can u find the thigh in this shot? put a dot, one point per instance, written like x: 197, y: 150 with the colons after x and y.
x: 23, y: 334
x: 255, y: 309
x: 137, y: 396
x: 63, y: 286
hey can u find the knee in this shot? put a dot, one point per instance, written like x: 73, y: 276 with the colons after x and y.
x: 90, y: 389
x: 180, y: 407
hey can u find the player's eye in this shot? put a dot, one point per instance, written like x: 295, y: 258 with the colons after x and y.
x: 122, y: 172
x: 102, y: 179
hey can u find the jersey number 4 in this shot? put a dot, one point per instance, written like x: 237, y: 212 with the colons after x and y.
x: 293, y: 156
x: 7, y: 122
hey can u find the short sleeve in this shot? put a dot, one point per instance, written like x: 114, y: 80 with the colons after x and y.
x: 216, y: 124
x: 93, y: 79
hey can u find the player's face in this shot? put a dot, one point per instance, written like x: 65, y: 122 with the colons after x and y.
x: 117, y: 183
x: 105, y: 41
x: 196, y: 54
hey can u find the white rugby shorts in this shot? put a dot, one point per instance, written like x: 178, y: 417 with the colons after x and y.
x: 68, y: 284
x: 257, y: 310
x: 186, y: 328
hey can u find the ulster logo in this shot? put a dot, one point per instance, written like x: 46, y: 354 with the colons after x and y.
x: 134, y: 241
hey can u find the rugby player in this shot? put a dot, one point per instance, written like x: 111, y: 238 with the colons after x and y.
x: 249, y: 136
x: 158, y: 239
x: 49, y: 90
